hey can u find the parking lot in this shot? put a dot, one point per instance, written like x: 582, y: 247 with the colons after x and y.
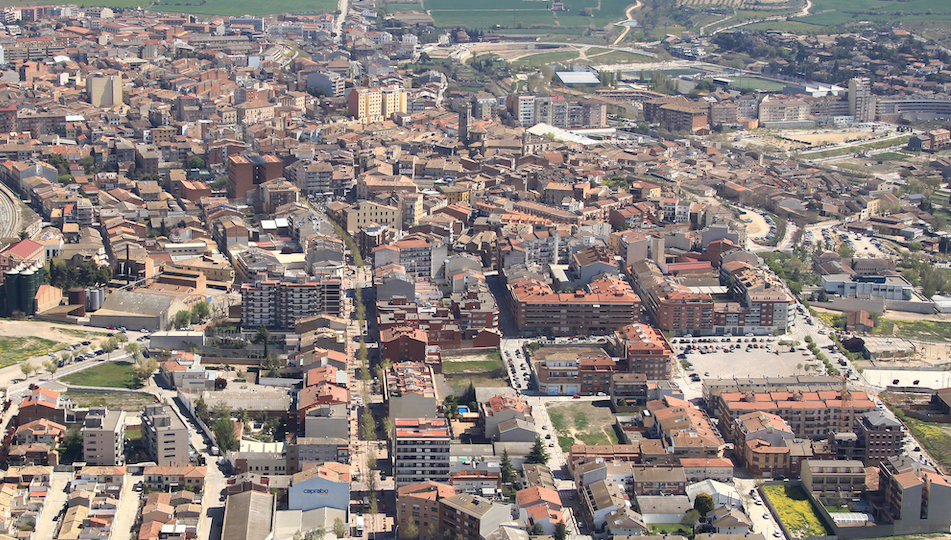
x: 739, y: 357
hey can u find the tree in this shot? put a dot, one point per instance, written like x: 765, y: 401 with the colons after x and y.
x: 388, y: 426
x: 263, y: 335
x: 182, y: 318
x: 51, y: 366
x: 411, y: 530
x: 538, y: 455
x: 134, y: 350
x: 536, y: 530
x: 703, y: 504
x: 915, y: 246
x: 691, y: 519
x: 368, y: 425
x: 144, y: 368
x: 195, y: 162
x: 221, y: 384
x: 121, y: 338
x: 508, y: 471
x: 27, y: 368
x: 561, y: 531
x: 846, y: 252
x: 223, y: 428
x: 339, y: 528
x: 200, y: 311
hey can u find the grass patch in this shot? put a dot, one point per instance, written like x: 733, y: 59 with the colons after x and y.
x: 16, y: 349
x: 619, y: 57
x: 924, y: 330
x: 565, y: 443
x: 538, y: 60
x: 460, y: 384
x: 106, y: 374
x: 583, y: 422
x: 472, y: 366
x: 129, y: 402
x: 796, y: 511
x: 133, y: 434
x: 935, y: 437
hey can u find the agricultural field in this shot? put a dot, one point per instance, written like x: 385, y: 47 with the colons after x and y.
x: 16, y: 349
x: 582, y: 422
x: 936, y: 438
x: 521, y: 13
x: 923, y: 330
x: 796, y: 511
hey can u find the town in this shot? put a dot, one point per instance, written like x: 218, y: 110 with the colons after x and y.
x: 365, y: 275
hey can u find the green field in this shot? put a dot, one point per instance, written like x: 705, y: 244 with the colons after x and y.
x: 545, y: 58
x: 796, y: 511
x: 618, y: 57
x: 521, y: 13
x: 14, y: 350
x: 582, y: 422
x: 106, y: 374
x: 754, y: 83
x: 924, y: 330
x: 936, y: 438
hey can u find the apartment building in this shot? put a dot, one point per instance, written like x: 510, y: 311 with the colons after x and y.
x: 418, y: 254
x: 603, y: 306
x: 104, y: 437
x: 353, y: 218
x: 685, y: 429
x: 647, y: 351
x: 410, y: 391
x: 312, y: 177
x: 810, y: 415
x: 369, y: 105
x: 587, y: 375
x: 861, y: 101
x: 470, y: 517
x: 915, y: 497
x: 419, y: 504
x: 420, y: 450
x: 833, y: 478
x: 165, y: 436
x: 279, y: 304
x: 247, y: 171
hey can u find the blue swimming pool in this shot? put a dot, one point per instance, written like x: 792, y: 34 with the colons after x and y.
x: 463, y: 410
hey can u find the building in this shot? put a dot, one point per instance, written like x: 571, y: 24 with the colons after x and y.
x: 24, y: 251
x: 508, y: 418
x: 165, y: 436
x: 279, y: 304
x: 647, y: 351
x: 916, y: 497
x: 410, y: 391
x: 326, y: 485
x: 603, y: 306
x: 247, y: 171
x: 886, y: 287
x: 104, y: 437
x: 370, y: 105
x: 586, y: 374
x: 420, y: 450
x: 470, y: 517
x: 833, y: 478
x: 104, y: 91
x: 810, y: 415
x: 861, y: 100
x: 419, y: 504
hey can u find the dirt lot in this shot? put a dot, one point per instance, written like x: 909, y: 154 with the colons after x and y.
x: 589, y: 422
x: 57, y: 332
x: 129, y: 402
x: 834, y: 137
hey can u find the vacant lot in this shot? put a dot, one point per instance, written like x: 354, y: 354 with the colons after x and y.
x: 924, y: 330
x: 129, y: 402
x: 107, y: 374
x: 461, y: 383
x: 17, y: 349
x: 936, y: 438
x: 480, y: 363
x: 582, y: 422
x: 795, y: 511
x: 835, y: 137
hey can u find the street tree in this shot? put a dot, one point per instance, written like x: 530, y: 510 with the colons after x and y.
x: 538, y: 455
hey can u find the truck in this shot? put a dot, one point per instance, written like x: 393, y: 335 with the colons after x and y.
x: 359, y: 526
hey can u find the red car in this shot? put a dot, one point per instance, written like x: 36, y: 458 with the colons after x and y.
x: 576, y: 396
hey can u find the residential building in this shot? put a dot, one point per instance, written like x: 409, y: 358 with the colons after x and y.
x: 470, y: 517
x: 419, y: 504
x: 647, y: 351
x: 420, y: 450
x: 370, y: 105
x: 279, y: 304
x: 833, y: 478
x: 603, y: 306
x: 165, y: 436
x: 104, y: 437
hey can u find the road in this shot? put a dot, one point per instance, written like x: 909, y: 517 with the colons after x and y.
x: 343, y: 6
x: 627, y: 27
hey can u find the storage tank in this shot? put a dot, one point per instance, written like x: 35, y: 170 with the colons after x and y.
x: 11, y: 286
x: 32, y: 278
x: 77, y: 296
x: 94, y: 297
